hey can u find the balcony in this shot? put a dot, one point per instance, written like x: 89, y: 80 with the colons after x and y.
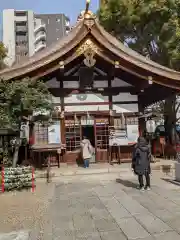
x: 67, y: 22
x: 39, y: 26
x: 40, y: 36
x: 41, y: 45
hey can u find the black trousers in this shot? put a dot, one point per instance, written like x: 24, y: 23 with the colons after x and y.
x: 141, y: 181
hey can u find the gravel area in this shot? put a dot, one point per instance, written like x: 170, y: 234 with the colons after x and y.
x: 23, y: 210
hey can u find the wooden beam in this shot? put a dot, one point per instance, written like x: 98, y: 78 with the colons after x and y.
x: 75, y: 70
x: 119, y: 73
x: 76, y: 78
x: 96, y: 103
x: 57, y: 92
x: 122, y: 76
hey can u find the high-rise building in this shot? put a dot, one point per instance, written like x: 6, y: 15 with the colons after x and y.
x: 57, y: 26
x: 25, y: 33
x: 40, y: 35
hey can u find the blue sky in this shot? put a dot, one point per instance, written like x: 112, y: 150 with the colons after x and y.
x: 70, y: 7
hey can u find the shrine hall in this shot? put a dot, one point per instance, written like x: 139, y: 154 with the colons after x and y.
x: 99, y: 88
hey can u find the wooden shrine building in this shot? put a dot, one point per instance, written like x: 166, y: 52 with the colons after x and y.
x: 97, y: 83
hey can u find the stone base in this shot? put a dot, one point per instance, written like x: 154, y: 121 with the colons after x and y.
x: 177, y: 171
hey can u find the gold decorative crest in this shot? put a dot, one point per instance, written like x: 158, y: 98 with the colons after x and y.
x: 89, y: 49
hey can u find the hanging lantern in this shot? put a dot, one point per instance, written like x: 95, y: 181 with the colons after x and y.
x: 150, y: 126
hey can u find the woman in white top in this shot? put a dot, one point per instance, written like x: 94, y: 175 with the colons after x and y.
x: 87, y: 151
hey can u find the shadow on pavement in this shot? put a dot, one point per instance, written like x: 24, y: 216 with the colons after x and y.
x: 126, y: 183
x: 171, y: 181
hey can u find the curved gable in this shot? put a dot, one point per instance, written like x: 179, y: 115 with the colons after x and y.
x: 112, y: 49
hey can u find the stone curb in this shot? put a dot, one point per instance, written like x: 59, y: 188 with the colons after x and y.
x: 90, y: 171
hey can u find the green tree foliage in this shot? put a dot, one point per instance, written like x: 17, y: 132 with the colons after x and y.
x: 3, y: 54
x: 150, y: 27
x: 19, y: 99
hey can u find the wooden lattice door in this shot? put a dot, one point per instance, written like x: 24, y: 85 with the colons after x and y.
x: 102, y: 139
x: 73, y: 140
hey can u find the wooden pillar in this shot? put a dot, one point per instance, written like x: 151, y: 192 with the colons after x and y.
x: 62, y: 120
x: 62, y: 115
x: 170, y: 119
x: 142, y: 122
x: 111, y: 118
x: 32, y: 136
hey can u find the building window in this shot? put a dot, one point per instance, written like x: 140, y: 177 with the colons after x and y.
x: 22, y: 33
x: 20, y: 13
x: 48, y: 21
x: 58, y: 20
x: 57, y: 29
x: 22, y: 23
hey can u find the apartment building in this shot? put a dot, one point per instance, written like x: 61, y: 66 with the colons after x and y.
x: 57, y: 26
x: 26, y: 33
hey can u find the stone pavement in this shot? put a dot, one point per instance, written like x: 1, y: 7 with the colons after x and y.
x: 109, y: 207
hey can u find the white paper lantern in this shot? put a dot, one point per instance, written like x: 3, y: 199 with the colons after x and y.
x: 150, y: 126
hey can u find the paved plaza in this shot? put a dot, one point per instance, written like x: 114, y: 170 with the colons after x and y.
x: 111, y: 208
x: 106, y: 207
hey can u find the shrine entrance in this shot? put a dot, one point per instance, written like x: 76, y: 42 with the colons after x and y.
x: 88, y: 132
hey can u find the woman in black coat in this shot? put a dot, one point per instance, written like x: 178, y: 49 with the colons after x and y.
x: 141, y: 162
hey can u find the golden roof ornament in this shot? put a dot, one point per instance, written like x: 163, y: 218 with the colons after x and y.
x: 89, y: 50
x: 86, y: 14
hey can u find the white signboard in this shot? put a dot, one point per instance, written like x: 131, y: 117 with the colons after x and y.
x: 132, y: 133
x: 118, y: 137
x: 85, y: 121
x: 54, y: 133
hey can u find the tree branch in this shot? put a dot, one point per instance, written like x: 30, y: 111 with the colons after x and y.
x: 177, y: 108
x: 177, y: 119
